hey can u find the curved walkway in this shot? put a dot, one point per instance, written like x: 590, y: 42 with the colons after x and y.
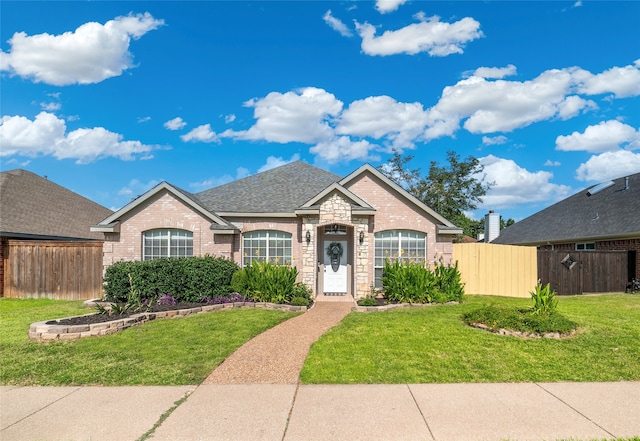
x: 277, y: 355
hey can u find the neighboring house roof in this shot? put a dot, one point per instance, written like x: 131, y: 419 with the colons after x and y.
x: 613, y: 212
x: 112, y: 223
x: 34, y: 207
x: 280, y: 190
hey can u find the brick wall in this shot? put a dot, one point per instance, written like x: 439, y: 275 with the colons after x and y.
x: 162, y: 211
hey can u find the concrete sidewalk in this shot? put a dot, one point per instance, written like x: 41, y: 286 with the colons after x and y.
x: 514, y: 411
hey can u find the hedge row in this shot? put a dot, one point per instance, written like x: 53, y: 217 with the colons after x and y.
x: 187, y: 279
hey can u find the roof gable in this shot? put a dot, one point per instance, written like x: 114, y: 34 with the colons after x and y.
x: 357, y: 203
x: 587, y: 215
x: 446, y: 225
x: 110, y: 224
x: 34, y: 206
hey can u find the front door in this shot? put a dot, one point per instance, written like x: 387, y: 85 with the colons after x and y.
x: 335, y: 267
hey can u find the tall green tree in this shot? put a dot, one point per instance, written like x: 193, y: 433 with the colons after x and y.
x: 449, y: 189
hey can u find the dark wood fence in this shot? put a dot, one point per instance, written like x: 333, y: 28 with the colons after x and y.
x: 62, y: 270
x: 580, y: 272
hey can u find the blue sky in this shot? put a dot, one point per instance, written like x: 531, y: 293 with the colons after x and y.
x: 110, y: 98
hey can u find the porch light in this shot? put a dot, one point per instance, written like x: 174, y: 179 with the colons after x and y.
x: 361, y: 237
x: 308, y: 236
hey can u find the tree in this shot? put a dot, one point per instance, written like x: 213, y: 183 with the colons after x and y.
x: 450, y: 190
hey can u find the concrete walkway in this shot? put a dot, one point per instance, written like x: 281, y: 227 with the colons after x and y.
x: 519, y: 411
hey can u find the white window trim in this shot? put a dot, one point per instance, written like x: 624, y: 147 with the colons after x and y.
x: 288, y: 243
x: 399, y: 242
x: 168, y: 236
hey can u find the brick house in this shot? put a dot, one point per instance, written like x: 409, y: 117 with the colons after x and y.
x: 603, y: 217
x: 336, y: 230
x: 46, y: 248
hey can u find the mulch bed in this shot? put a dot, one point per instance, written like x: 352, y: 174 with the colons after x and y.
x: 101, y: 318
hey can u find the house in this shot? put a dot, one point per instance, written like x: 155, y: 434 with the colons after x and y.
x: 45, y: 242
x: 604, y: 217
x: 337, y: 231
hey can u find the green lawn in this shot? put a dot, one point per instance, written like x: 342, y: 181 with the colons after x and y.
x: 433, y: 345
x: 161, y: 352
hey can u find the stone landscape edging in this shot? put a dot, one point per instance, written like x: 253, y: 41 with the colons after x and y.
x: 41, y: 331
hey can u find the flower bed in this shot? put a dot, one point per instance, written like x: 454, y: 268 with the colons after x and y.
x: 56, y: 329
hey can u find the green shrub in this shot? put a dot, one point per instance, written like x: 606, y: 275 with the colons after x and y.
x: 187, y: 279
x: 413, y: 283
x: 544, y: 299
x: 267, y: 282
x: 239, y: 282
x: 367, y: 301
x: 300, y: 301
x: 522, y: 320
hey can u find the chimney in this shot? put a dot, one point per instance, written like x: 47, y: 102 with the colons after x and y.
x: 491, y: 226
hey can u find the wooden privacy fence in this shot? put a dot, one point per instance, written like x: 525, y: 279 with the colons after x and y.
x: 500, y: 270
x: 579, y: 272
x: 62, y: 270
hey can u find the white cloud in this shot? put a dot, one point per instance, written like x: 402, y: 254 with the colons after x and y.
x: 550, y: 163
x: 241, y: 172
x: 607, y: 136
x: 336, y: 24
x: 494, y: 140
x: 609, y: 165
x: 90, y: 54
x: 175, y: 124
x: 46, y: 135
x: 573, y: 105
x: 303, y: 115
x: 386, y: 6
x: 623, y: 82
x: 144, y: 119
x: 201, y: 133
x: 229, y: 118
x: 50, y: 107
x: 273, y: 162
x: 382, y: 116
x: 430, y: 35
x: 516, y: 185
x: 135, y: 187
x: 495, y: 72
x: 342, y: 148
x: 495, y: 106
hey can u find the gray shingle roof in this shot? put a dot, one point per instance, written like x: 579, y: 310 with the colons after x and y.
x: 610, y: 213
x: 35, y: 206
x: 279, y: 190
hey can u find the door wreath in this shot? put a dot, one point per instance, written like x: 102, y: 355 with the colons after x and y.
x: 334, y: 251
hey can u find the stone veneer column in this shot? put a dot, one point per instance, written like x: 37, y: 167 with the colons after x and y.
x: 309, y: 264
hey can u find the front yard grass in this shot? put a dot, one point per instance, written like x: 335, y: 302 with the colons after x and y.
x: 161, y: 352
x: 433, y: 345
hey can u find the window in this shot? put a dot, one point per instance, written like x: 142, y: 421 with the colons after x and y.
x: 266, y: 246
x: 166, y: 243
x: 589, y: 246
x: 403, y: 245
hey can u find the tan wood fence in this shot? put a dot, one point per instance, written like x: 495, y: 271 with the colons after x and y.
x: 500, y: 270
x: 62, y: 270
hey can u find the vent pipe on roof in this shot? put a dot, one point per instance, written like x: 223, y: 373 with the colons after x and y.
x: 626, y: 183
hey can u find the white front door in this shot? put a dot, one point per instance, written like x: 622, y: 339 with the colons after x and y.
x: 335, y: 266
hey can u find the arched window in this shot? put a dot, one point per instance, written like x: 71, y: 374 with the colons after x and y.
x: 266, y: 246
x: 166, y: 242
x: 402, y: 245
